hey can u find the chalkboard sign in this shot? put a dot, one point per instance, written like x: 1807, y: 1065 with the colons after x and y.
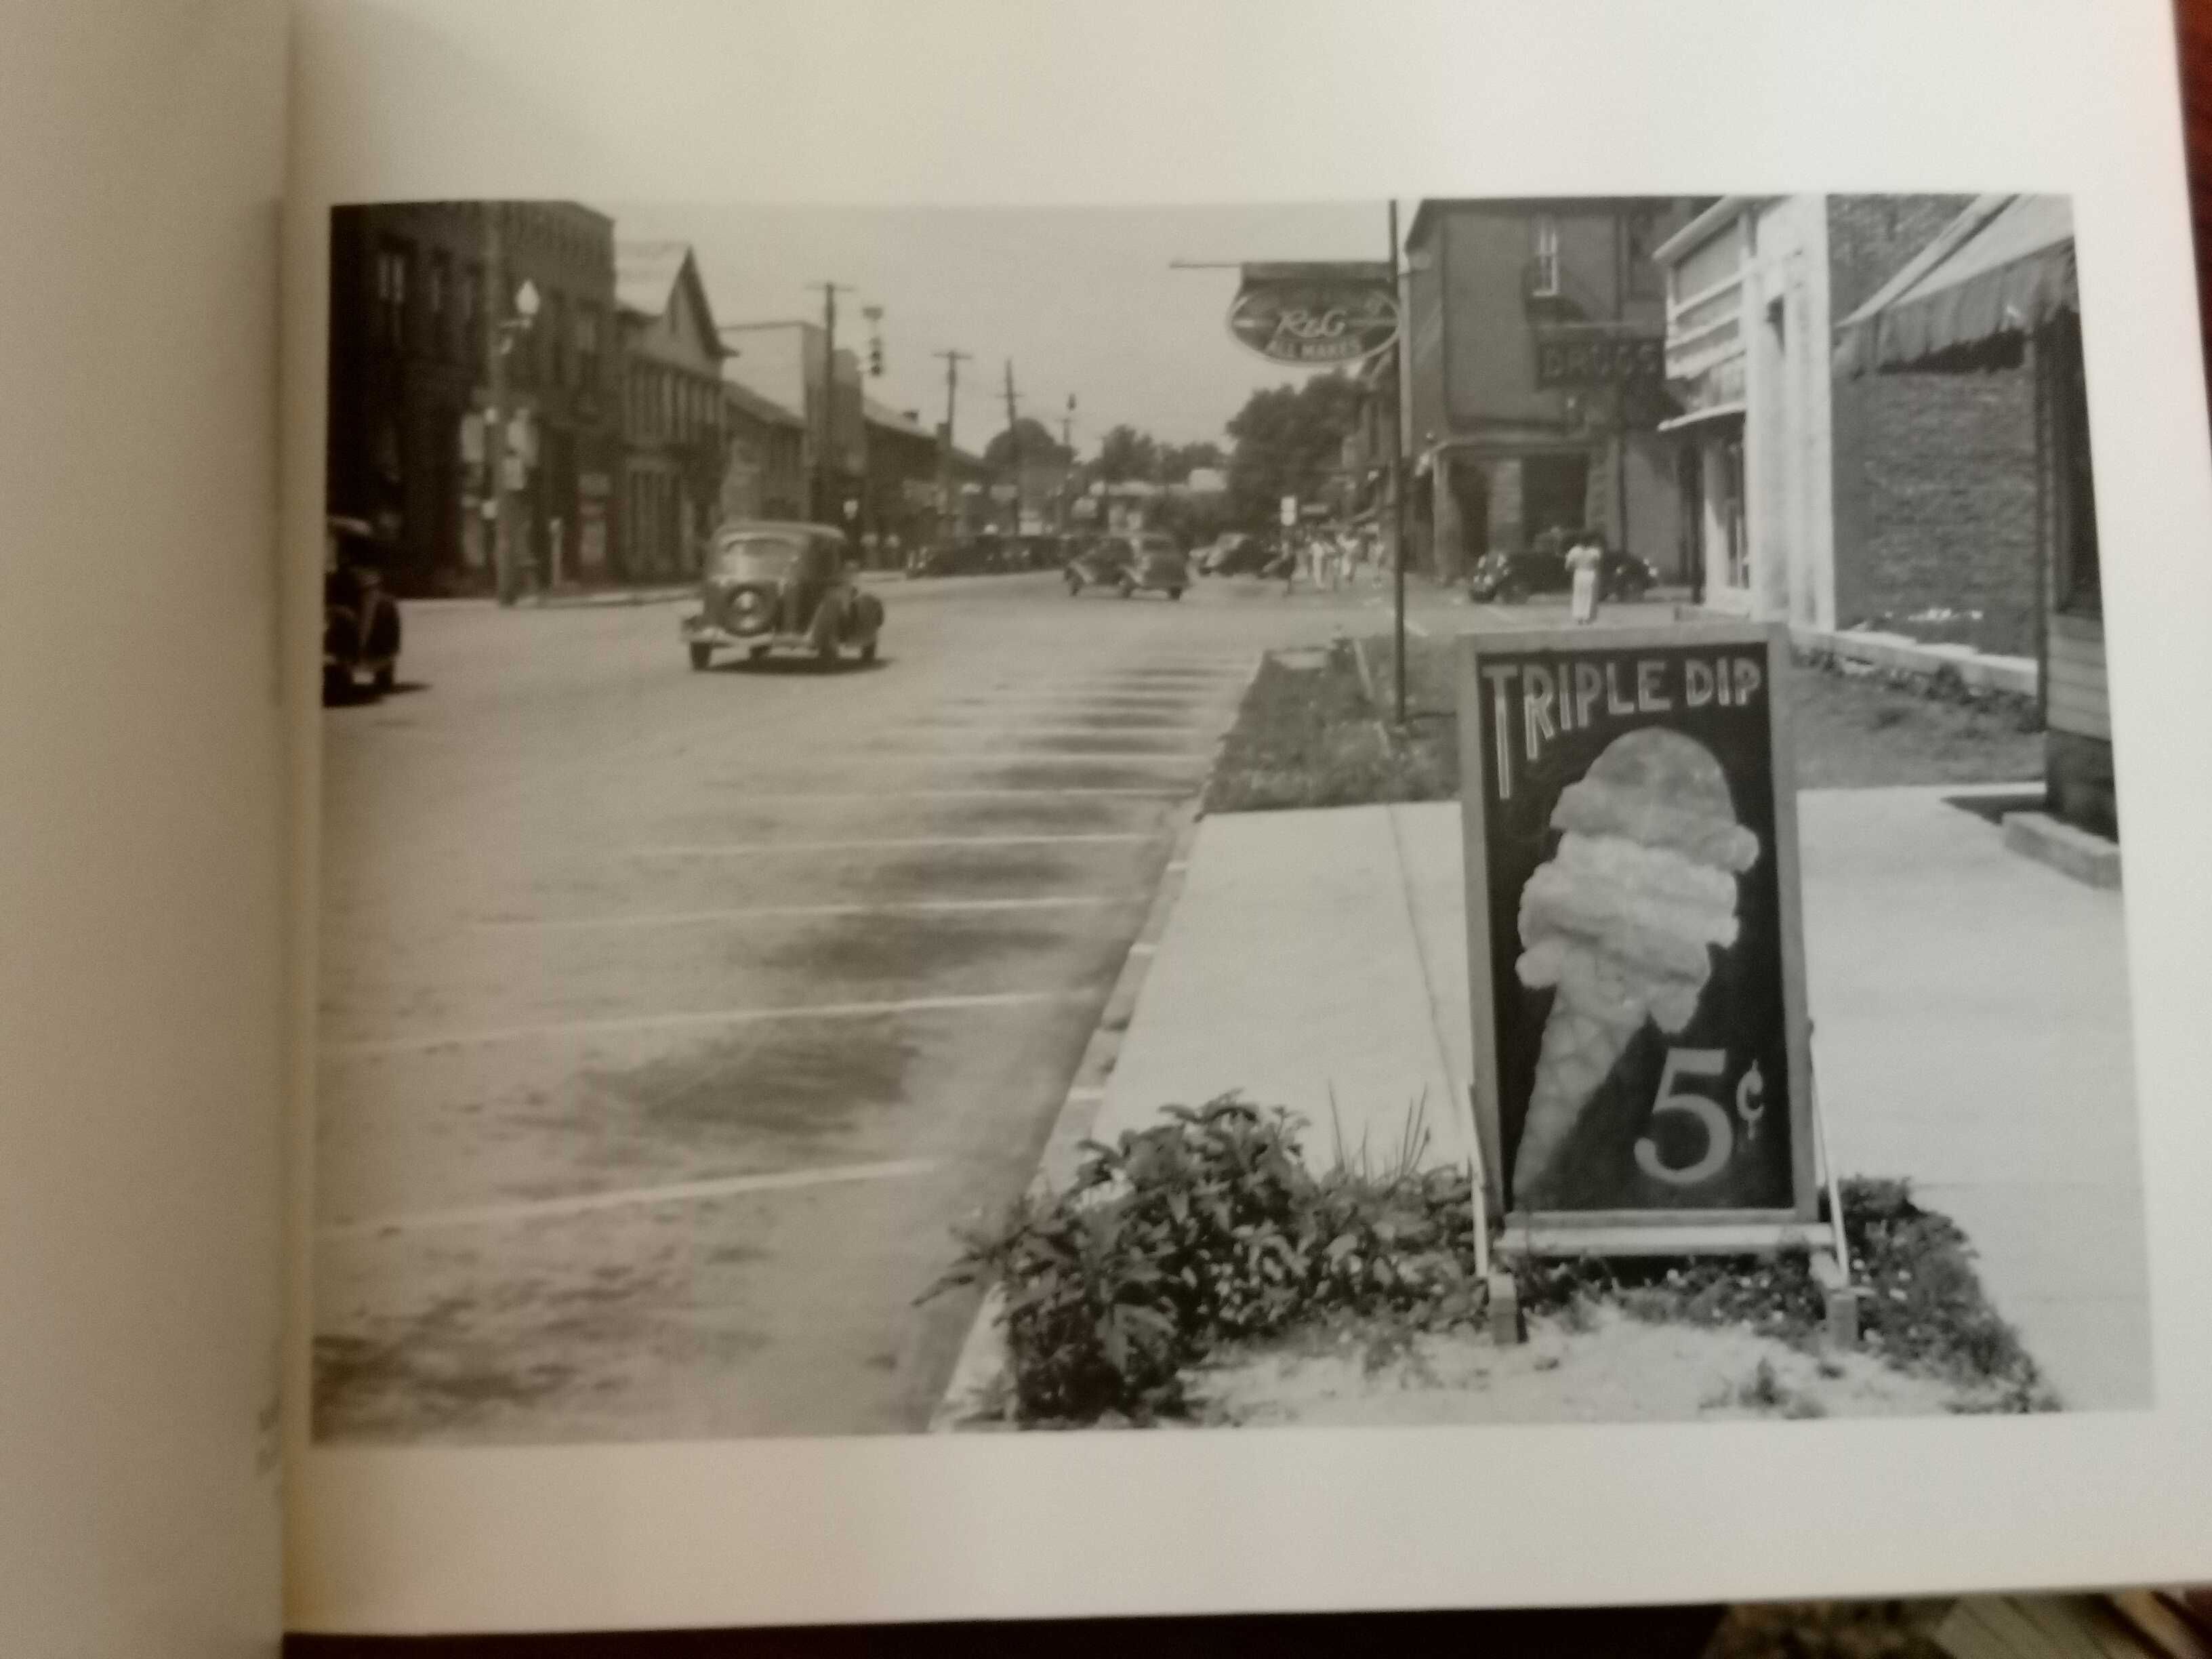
x: 1634, y: 947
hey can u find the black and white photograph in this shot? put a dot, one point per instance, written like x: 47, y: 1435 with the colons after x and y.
x: 1421, y: 811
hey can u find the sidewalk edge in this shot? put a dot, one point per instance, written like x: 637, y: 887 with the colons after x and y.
x: 982, y: 1355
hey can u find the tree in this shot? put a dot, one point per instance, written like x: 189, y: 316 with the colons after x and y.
x: 1179, y: 461
x: 1289, y: 441
x: 1125, y: 453
x: 1029, y: 442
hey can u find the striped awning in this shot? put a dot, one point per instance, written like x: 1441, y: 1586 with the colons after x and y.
x: 1998, y: 272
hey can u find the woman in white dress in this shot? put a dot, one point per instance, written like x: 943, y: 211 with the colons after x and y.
x: 1584, y: 560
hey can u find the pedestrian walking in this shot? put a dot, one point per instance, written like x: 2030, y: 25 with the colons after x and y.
x: 1585, y: 559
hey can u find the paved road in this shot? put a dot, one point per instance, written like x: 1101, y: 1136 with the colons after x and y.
x: 671, y: 1022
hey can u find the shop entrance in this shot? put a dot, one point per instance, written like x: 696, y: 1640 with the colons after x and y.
x: 1554, y: 493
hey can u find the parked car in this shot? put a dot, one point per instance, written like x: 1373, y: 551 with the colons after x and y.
x: 1250, y: 557
x: 771, y: 586
x: 1502, y: 576
x: 1219, y: 551
x: 1129, y: 564
x: 361, y: 619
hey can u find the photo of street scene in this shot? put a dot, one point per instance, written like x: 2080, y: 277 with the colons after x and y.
x: 1435, y: 812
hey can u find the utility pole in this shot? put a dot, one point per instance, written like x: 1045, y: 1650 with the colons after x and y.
x: 825, y: 470
x: 1398, y: 464
x: 1067, y: 473
x: 492, y: 301
x: 952, y: 361
x: 1013, y: 447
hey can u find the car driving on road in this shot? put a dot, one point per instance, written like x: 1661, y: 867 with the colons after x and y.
x: 772, y: 585
x: 1130, y: 564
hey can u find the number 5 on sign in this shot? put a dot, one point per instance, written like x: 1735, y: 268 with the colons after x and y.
x: 1720, y: 1134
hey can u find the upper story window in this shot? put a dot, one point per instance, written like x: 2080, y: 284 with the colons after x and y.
x: 391, y: 294
x: 468, y: 302
x: 1646, y: 281
x: 1544, y: 256
x: 588, y: 344
x: 437, y: 279
x: 556, y: 339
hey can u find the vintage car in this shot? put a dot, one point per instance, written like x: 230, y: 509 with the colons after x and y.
x: 770, y: 586
x: 1129, y: 564
x: 1499, y: 575
x: 361, y: 619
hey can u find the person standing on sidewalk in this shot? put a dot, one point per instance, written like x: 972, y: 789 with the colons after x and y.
x: 1585, y: 559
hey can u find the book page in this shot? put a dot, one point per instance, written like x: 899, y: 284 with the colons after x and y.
x: 1294, y: 810
x: 142, y: 846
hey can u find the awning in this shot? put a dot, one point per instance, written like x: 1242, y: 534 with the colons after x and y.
x: 1732, y: 411
x: 2001, y: 269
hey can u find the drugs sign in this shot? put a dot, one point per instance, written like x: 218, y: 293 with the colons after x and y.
x: 1315, y: 314
x: 1634, y: 949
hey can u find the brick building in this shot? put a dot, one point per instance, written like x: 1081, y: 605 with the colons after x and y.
x: 672, y: 409
x: 1534, y: 376
x: 1994, y: 300
x: 1906, y: 500
x: 422, y: 294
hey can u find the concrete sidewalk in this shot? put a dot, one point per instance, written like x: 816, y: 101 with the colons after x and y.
x: 1970, y: 1006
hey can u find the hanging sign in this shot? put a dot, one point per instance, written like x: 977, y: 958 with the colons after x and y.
x: 1314, y: 315
x: 1599, y: 354
x: 1635, y: 958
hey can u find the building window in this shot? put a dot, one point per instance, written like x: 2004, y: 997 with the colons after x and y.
x: 587, y: 345
x: 1544, y: 262
x: 1724, y: 500
x: 1646, y: 279
x: 468, y: 301
x: 437, y: 280
x: 556, y: 338
x: 667, y: 404
x: 391, y: 294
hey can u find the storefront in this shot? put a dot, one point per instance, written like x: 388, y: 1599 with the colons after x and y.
x: 1999, y: 289
x: 1748, y: 363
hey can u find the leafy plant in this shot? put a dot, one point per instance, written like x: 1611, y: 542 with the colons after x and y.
x: 1204, y: 1228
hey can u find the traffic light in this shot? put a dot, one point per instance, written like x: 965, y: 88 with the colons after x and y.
x: 876, y: 358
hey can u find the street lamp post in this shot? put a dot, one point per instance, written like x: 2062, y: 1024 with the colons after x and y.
x: 501, y: 332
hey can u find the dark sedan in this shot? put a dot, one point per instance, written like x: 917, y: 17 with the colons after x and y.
x: 1505, y: 577
x: 1130, y: 564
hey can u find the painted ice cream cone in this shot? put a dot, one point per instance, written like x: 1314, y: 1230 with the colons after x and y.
x: 1621, y: 922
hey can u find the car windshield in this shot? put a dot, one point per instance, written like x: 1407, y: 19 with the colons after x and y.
x: 769, y: 557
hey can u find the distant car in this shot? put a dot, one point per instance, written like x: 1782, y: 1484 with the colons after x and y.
x: 361, y: 619
x: 1130, y: 564
x: 1220, y: 551
x: 1503, y: 576
x: 1250, y: 557
x: 772, y: 586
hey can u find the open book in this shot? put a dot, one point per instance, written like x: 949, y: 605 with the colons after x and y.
x: 1139, y: 810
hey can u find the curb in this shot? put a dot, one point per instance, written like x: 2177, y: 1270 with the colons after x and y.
x: 1901, y: 654
x: 982, y: 1355
x: 2090, y: 860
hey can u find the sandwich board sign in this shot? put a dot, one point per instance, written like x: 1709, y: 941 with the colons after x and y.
x: 1643, y: 1062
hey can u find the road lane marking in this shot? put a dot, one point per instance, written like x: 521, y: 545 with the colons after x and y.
x: 914, y: 907
x: 733, y: 848
x: 1414, y: 628
x: 372, y: 1047
x: 682, y: 1192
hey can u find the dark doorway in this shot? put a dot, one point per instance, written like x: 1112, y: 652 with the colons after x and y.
x: 1554, y: 493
